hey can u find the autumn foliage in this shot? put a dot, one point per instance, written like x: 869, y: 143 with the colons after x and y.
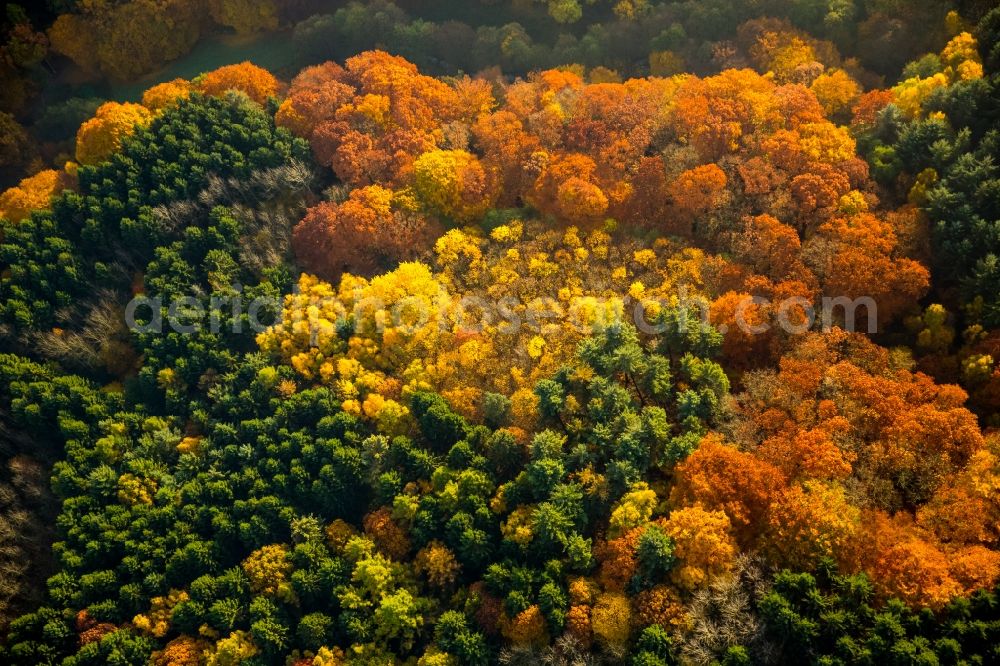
x: 102, y: 135
x: 32, y: 193
x: 580, y: 153
x: 372, y: 230
x: 838, y: 415
x: 563, y: 367
x: 255, y: 82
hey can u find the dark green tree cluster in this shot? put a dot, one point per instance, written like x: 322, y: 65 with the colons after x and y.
x: 147, y: 214
x: 649, y: 403
x: 173, y: 212
x: 166, y: 511
x: 34, y: 398
x: 825, y: 617
x: 833, y: 619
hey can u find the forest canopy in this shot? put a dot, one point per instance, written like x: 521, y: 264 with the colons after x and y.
x: 543, y: 332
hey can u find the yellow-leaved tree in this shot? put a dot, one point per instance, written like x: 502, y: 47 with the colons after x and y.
x: 32, y: 193
x: 453, y: 183
x: 102, y: 136
x: 703, y: 544
x: 255, y: 82
x: 165, y: 94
